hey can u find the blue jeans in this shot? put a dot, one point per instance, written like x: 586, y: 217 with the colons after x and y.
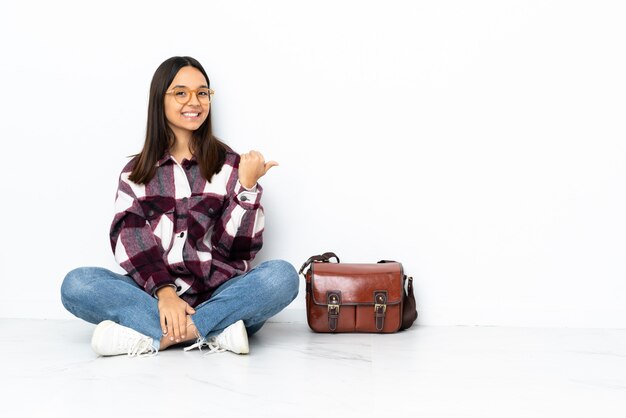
x: 96, y: 294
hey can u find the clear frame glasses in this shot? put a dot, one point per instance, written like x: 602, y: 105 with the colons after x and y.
x: 183, y: 94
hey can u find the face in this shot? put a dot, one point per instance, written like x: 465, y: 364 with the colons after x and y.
x: 186, y: 118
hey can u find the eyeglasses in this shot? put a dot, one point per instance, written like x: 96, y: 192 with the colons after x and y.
x: 183, y: 94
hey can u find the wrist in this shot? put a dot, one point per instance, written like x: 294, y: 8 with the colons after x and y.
x: 247, y: 184
x: 166, y: 291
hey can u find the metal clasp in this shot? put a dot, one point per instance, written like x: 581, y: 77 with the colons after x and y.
x: 377, y: 306
x: 333, y: 309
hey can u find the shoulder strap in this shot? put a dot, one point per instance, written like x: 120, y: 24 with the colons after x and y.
x: 324, y: 258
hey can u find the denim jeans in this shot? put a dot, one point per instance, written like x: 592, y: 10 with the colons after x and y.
x: 96, y: 294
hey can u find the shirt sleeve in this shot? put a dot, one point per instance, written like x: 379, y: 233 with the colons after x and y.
x: 134, y: 244
x: 238, y: 236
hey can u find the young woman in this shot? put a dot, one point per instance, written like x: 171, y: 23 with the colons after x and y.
x: 188, y: 222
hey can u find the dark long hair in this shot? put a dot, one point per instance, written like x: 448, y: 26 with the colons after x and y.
x: 209, y: 151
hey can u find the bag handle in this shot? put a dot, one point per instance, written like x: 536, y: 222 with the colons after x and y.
x: 324, y: 258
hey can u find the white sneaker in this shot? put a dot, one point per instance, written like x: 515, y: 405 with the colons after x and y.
x: 234, y: 338
x: 111, y: 339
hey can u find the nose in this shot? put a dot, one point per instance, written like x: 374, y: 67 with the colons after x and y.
x: 193, y: 98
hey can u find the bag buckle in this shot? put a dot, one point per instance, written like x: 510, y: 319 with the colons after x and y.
x: 333, y: 299
x: 333, y: 305
x: 380, y: 308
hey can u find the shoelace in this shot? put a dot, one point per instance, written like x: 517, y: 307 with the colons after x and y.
x: 211, y: 343
x: 142, y: 348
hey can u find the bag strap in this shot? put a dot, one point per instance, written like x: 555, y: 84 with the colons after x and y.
x: 324, y: 258
x: 409, y: 310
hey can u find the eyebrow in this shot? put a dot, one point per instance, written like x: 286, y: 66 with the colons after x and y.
x: 181, y: 85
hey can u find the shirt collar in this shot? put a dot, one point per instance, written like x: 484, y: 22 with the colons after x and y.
x: 167, y: 157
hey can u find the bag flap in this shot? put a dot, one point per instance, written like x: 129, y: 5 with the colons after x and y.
x: 357, y: 282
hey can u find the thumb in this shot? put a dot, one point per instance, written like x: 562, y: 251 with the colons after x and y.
x: 269, y: 165
x: 189, y: 309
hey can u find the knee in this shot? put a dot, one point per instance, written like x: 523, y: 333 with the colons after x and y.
x: 283, y: 278
x: 76, y: 284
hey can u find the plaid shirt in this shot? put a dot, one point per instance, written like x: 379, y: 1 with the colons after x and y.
x: 183, y: 231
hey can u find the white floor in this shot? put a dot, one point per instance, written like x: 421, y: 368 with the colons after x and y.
x: 48, y: 370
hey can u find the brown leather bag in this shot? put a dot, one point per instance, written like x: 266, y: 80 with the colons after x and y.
x: 344, y: 297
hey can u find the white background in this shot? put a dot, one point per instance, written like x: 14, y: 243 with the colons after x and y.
x: 480, y: 143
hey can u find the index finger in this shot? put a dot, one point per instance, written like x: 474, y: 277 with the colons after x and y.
x: 163, y: 325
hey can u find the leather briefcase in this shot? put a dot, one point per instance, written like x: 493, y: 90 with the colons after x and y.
x: 343, y: 297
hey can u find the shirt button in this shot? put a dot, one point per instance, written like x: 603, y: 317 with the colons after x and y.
x: 150, y: 212
x: 243, y: 198
x: 180, y: 268
x: 184, y: 200
x: 182, y: 234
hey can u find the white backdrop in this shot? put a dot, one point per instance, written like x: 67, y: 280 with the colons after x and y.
x: 480, y: 143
